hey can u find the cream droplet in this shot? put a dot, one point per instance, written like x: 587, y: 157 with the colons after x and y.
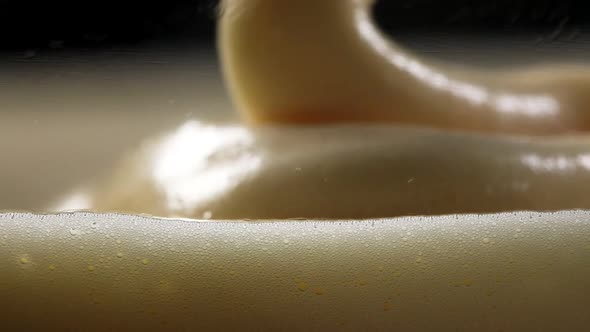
x: 386, y: 306
x: 319, y: 291
x: 302, y: 286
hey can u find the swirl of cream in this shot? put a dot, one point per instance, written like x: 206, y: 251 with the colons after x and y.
x: 325, y: 65
x: 325, y: 61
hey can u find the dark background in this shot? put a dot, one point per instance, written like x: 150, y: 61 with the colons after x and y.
x: 105, y: 23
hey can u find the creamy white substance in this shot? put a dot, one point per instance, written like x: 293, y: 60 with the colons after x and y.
x: 510, y: 272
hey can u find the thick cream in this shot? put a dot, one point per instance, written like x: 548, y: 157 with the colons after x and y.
x: 309, y: 61
x: 344, y: 171
x: 345, y: 124
x: 510, y: 272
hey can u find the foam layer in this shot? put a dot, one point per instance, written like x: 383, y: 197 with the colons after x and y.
x: 522, y: 271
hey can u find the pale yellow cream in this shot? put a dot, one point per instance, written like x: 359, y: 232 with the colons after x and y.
x: 89, y: 272
x: 502, y: 272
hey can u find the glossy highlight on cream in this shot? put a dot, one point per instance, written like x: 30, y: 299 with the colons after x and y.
x: 309, y: 61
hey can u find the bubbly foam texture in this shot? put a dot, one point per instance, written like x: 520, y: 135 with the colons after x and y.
x: 519, y: 271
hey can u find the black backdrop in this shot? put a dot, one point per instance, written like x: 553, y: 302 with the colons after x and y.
x: 57, y: 23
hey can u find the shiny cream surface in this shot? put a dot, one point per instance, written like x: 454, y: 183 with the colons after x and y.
x: 342, y: 171
x: 343, y: 123
x: 309, y: 61
x: 443, y: 144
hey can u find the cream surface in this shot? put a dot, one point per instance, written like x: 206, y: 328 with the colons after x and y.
x: 519, y: 271
x: 510, y: 272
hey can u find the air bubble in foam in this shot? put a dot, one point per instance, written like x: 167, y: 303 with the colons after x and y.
x: 302, y: 286
x: 319, y: 291
x: 386, y: 306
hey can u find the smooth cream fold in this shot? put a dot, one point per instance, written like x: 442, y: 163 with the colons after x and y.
x: 309, y: 61
x: 342, y: 171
